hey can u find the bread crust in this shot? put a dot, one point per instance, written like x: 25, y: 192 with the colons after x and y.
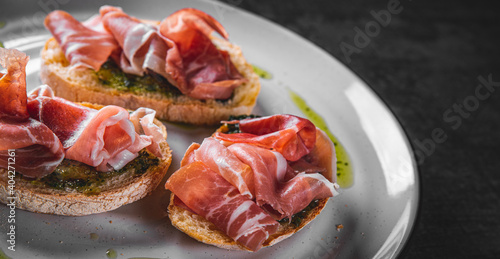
x: 83, y: 85
x: 118, y: 191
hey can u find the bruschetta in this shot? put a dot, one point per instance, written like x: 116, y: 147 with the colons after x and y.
x: 176, y: 66
x: 253, y: 183
x: 66, y: 158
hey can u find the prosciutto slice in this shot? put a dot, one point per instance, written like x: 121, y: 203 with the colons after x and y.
x: 83, y: 46
x: 105, y: 138
x: 143, y: 120
x: 280, y: 197
x: 13, y: 85
x: 143, y: 47
x: 221, y: 160
x: 37, y: 151
x: 208, y: 72
x: 292, y: 136
x: 179, y: 48
x: 208, y: 194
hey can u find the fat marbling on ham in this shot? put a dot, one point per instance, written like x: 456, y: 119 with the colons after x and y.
x: 37, y: 149
x: 82, y: 46
x: 275, y: 164
x: 105, y: 138
x: 44, y: 129
x: 178, y: 48
x: 290, y: 135
x: 208, y: 194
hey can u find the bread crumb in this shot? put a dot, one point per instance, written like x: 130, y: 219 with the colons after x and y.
x: 339, y: 227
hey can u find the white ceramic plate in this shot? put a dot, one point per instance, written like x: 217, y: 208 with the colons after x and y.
x: 377, y: 212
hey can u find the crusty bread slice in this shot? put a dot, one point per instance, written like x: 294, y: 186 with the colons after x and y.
x: 83, y: 85
x: 119, y: 190
x: 205, y: 231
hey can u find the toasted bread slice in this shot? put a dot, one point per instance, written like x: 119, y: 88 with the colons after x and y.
x: 83, y: 85
x: 133, y: 182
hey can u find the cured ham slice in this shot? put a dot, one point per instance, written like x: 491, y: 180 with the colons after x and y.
x: 208, y: 194
x: 323, y: 156
x: 13, y: 85
x: 221, y: 160
x: 143, y: 48
x: 36, y: 151
x: 105, y: 138
x: 66, y: 119
x: 143, y: 120
x: 179, y: 48
x: 281, y: 198
x: 83, y: 47
x: 208, y: 72
x: 292, y: 136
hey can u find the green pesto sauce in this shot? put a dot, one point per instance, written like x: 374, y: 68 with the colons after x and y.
x: 77, y: 176
x: 344, y: 167
x: 110, y: 75
x: 299, y: 216
x: 1, y: 45
x: 261, y: 72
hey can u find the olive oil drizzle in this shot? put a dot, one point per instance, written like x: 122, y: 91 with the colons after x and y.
x: 344, y: 167
x: 261, y: 72
x: 3, y: 255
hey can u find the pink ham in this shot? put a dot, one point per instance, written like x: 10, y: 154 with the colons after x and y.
x: 179, y: 48
x: 292, y: 136
x: 37, y: 150
x: 66, y: 119
x: 221, y: 160
x: 143, y: 47
x: 13, y: 85
x: 208, y: 194
x: 105, y: 139
x: 207, y: 71
x: 280, y: 197
x: 83, y: 47
x: 323, y: 156
x: 143, y: 120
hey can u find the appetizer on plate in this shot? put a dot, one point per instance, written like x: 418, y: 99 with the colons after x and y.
x: 67, y: 158
x: 176, y: 66
x: 254, y: 182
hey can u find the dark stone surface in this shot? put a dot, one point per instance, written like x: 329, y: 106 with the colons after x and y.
x: 425, y: 64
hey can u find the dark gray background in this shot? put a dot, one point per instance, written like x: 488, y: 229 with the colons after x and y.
x: 425, y: 64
